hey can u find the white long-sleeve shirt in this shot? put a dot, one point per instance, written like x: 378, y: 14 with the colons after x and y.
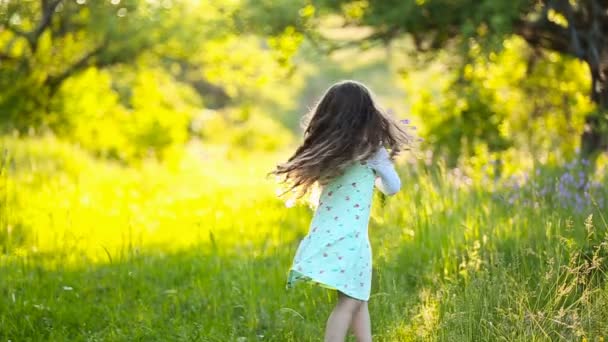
x: 387, y: 179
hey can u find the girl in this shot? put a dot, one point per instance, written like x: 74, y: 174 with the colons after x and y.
x: 343, y: 151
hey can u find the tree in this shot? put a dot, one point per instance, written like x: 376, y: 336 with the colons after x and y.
x: 127, y: 79
x: 577, y: 28
x: 43, y: 43
x: 580, y: 29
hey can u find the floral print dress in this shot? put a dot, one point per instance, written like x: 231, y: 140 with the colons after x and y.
x: 336, y: 252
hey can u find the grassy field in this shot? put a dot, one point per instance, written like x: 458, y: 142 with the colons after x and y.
x: 197, y: 249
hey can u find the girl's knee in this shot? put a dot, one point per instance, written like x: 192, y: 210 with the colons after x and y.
x: 351, y: 303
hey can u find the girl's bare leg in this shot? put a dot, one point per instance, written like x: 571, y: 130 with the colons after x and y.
x: 361, y: 324
x: 340, y: 318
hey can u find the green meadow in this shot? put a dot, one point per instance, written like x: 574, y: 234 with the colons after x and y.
x: 186, y: 251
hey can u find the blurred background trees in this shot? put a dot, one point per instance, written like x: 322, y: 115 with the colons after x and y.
x: 479, y: 45
x: 129, y: 79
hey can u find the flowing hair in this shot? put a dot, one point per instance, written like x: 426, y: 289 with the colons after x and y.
x: 345, y: 126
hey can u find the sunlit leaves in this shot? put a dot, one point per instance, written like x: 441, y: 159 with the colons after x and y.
x: 157, y: 120
x: 165, y: 59
x: 91, y: 96
x: 557, y: 18
x: 307, y: 11
x: 157, y: 115
x: 285, y: 44
x: 354, y: 11
x: 535, y: 102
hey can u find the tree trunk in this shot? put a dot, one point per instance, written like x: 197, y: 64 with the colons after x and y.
x: 594, y: 139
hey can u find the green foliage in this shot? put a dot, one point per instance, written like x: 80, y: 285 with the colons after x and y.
x: 434, y: 22
x: 39, y: 55
x: 160, y: 113
x: 514, y: 98
x: 129, y: 79
x: 272, y: 17
x: 472, y: 33
x: 87, y: 111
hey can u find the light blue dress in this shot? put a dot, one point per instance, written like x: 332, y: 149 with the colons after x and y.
x: 336, y: 252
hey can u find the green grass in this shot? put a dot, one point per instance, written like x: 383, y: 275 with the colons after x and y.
x: 197, y: 250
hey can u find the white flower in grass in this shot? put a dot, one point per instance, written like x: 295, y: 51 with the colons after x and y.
x: 67, y: 288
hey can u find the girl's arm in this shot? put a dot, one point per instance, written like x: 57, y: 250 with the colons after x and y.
x: 387, y: 180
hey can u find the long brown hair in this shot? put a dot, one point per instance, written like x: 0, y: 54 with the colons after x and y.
x: 345, y: 126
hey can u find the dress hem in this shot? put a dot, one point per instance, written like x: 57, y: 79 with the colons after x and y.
x: 292, y: 279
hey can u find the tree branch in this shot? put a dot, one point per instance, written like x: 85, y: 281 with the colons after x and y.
x: 85, y: 61
x: 47, y: 14
x: 89, y: 60
x: 565, y: 8
x: 32, y: 37
x: 6, y: 57
x: 545, y: 34
x: 328, y: 46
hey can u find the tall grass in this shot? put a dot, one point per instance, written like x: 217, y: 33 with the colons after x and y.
x: 198, y: 250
